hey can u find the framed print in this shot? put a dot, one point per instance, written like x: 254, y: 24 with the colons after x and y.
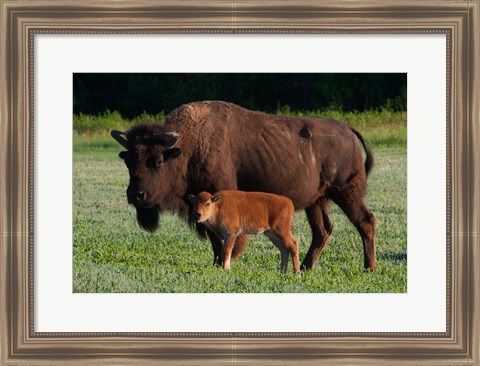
x: 82, y: 283
x: 385, y: 143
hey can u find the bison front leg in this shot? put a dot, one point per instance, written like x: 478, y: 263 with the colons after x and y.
x: 216, y: 246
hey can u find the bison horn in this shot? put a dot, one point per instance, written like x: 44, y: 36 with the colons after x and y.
x: 166, y: 139
x: 118, y: 136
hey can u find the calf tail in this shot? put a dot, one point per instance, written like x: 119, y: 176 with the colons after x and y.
x: 369, y: 161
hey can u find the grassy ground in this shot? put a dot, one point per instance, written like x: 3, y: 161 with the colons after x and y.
x: 112, y: 254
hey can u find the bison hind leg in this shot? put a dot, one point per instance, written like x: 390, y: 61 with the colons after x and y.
x: 364, y: 221
x: 350, y: 200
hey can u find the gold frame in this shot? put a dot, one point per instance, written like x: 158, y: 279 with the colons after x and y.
x: 20, y: 21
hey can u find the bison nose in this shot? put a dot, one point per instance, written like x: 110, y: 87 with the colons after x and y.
x: 196, y: 215
x: 141, y: 196
x: 136, y: 197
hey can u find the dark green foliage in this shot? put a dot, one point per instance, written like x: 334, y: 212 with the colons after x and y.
x: 379, y: 127
x: 132, y: 94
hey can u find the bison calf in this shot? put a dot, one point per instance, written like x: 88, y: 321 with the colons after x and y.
x: 232, y: 213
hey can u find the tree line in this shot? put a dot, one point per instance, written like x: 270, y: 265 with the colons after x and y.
x: 134, y: 93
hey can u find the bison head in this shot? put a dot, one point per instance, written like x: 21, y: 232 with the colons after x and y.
x: 149, y: 156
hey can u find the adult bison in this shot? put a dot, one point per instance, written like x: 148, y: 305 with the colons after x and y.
x: 213, y: 146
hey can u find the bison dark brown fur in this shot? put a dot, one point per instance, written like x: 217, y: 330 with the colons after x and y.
x: 213, y: 146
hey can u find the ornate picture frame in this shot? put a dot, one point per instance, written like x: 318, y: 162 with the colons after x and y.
x: 459, y: 21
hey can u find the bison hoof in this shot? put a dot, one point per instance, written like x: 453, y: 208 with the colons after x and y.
x: 305, y: 267
x: 217, y: 262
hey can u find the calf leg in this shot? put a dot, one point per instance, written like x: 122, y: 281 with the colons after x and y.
x: 284, y: 259
x: 287, y: 244
x: 241, y: 244
x: 322, y: 228
x: 292, y: 246
x: 281, y: 247
x: 227, y: 251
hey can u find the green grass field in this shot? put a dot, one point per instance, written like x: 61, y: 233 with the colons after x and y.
x: 112, y: 254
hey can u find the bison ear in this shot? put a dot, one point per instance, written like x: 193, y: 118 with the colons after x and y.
x: 190, y: 198
x: 171, y: 154
x: 218, y: 197
x: 123, y: 155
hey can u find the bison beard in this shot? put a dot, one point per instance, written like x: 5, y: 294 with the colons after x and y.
x: 148, y: 218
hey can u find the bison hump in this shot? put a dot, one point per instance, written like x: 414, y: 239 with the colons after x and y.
x: 198, y: 112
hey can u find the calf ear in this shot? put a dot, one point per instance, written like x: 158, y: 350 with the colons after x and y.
x: 190, y: 198
x: 217, y: 197
x: 123, y: 155
x: 171, y: 154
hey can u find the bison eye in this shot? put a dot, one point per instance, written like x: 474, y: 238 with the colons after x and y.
x: 154, y: 162
x: 207, y: 204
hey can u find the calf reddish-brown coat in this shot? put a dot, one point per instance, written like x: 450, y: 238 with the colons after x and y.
x: 213, y: 146
x: 231, y: 213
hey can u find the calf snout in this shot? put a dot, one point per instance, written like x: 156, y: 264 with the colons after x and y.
x: 196, y: 215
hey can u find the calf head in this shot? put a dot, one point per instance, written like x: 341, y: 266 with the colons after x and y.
x: 203, y: 207
x: 149, y: 157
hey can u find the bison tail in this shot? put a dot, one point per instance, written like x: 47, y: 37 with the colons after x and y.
x: 369, y: 161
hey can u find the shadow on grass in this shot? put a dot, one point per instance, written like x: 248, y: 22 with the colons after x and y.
x: 394, y: 257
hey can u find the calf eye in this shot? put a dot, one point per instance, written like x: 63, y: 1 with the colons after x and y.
x: 207, y: 204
